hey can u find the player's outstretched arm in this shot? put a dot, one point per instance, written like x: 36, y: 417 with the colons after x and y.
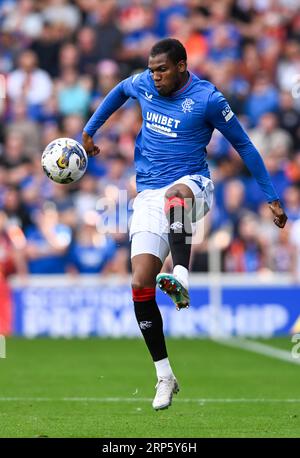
x: 114, y: 100
x: 89, y: 145
x: 219, y: 114
x: 280, y: 217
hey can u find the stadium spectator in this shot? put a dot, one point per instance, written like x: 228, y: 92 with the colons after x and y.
x: 24, y: 20
x: 47, y: 243
x: 14, y: 208
x: 164, y: 10
x: 289, y: 118
x: 27, y: 128
x: 14, y: 159
x: 72, y: 126
x: 73, y: 97
x: 295, y: 243
x: 62, y: 12
x: 8, y: 52
x: 268, y: 235
x: 12, y: 244
x: 28, y: 82
x: 262, y: 99
x: 85, y: 198
x: 47, y: 46
x: 12, y: 261
x: 87, y: 47
x: 271, y: 139
x: 292, y: 169
x: 288, y: 68
x: 108, y: 75
x: 103, y: 16
x: 233, y: 203
x: 282, y: 256
x: 68, y: 57
x: 91, y: 250
x: 245, y: 253
x: 292, y: 202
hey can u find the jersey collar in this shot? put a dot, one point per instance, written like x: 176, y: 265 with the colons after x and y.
x: 183, y: 88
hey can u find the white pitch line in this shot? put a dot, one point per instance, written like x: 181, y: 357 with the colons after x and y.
x: 257, y: 347
x: 183, y: 400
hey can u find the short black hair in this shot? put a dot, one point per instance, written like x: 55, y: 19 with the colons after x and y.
x: 170, y: 46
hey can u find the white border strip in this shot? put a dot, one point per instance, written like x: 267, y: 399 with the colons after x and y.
x: 260, y: 280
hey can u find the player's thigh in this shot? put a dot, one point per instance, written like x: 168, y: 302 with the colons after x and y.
x: 148, y: 216
x: 182, y: 191
x: 148, y: 253
x: 202, y: 189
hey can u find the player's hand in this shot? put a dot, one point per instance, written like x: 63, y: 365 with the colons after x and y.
x: 89, y: 145
x: 280, y: 217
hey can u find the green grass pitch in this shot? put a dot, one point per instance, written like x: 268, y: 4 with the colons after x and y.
x: 104, y: 388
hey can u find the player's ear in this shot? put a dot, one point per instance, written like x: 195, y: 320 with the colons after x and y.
x: 181, y: 66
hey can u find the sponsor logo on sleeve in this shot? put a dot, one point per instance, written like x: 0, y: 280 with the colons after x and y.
x: 227, y: 113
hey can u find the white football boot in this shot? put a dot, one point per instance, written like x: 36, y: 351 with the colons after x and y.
x: 165, y: 388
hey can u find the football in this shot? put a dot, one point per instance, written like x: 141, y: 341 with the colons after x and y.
x: 64, y: 160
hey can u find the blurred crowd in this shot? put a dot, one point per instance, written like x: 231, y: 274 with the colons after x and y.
x: 59, y: 58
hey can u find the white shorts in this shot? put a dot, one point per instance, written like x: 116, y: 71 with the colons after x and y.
x: 149, y: 225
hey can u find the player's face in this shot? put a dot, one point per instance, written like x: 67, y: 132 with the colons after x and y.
x: 167, y: 76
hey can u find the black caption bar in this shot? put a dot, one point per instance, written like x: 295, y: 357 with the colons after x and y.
x: 140, y: 447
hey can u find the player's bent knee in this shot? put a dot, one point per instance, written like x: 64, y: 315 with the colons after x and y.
x: 174, y: 192
x: 141, y: 283
x: 137, y: 285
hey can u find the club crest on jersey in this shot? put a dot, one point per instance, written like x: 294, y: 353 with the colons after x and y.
x: 187, y: 105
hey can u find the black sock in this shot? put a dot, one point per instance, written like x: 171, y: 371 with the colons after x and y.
x: 150, y: 322
x: 180, y: 233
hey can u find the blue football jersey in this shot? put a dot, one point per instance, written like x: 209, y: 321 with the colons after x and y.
x: 177, y: 129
